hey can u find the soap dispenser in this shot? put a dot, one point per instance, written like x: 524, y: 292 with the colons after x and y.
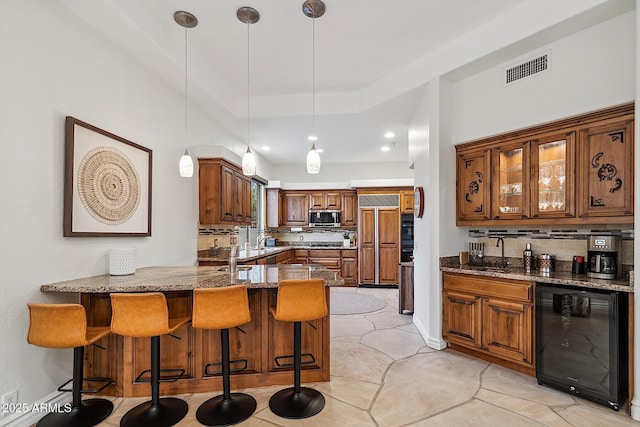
x: 527, y: 258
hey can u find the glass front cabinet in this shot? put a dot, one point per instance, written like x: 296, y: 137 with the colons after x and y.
x: 511, y: 188
x: 553, y: 176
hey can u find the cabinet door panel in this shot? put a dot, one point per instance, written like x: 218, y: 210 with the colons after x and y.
x: 226, y: 198
x: 606, y: 170
x: 553, y: 176
x: 296, y: 209
x: 462, y: 318
x: 473, y: 185
x: 349, y: 210
x: 333, y: 201
x: 388, y: 260
x: 510, y: 198
x: 388, y: 226
x: 507, y: 329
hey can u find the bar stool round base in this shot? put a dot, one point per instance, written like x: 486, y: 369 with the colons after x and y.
x: 220, y: 412
x: 91, y: 412
x: 168, y: 412
x: 288, y: 404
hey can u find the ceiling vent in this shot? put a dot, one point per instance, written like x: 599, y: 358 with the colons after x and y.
x: 526, y: 69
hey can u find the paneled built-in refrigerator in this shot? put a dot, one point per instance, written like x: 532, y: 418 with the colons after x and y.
x: 379, y: 238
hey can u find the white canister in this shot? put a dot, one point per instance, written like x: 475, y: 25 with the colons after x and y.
x: 122, y: 261
x: 346, y: 242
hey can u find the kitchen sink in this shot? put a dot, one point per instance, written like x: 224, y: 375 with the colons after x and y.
x: 238, y: 268
x: 494, y: 269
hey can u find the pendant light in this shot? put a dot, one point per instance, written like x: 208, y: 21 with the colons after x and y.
x: 248, y: 15
x: 313, y: 9
x: 186, y: 20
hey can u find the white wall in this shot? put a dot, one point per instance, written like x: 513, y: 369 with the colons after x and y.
x: 635, y: 399
x: 590, y: 70
x: 65, y: 69
x: 342, y: 172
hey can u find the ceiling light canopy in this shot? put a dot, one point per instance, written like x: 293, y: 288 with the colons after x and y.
x: 248, y: 15
x: 186, y: 20
x: 389, y: 135
x: 313, y: 9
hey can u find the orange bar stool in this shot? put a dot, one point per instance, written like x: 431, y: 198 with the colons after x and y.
x: 223, y: 308
x: 65, y: 326
x: 298, y: 301
x: 147, y: 315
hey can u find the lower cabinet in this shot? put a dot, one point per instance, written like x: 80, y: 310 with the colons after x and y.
x: 491, y: 318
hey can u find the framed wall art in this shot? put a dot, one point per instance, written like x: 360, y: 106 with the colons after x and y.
x: 107, y: 183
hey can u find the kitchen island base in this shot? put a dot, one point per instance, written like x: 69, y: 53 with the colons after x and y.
x: 259, y: 342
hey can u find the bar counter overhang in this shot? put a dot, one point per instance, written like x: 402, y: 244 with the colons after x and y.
x: 259, y: 341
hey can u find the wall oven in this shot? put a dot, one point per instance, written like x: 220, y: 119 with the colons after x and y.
x: 324, y: 218
x: 581, y: 342
x: 406, y: 237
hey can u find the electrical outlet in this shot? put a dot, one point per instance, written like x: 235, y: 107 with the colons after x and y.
x: 301, y: 238
x: 10, y: 398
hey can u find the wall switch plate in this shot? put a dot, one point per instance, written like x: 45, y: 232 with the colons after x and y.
x: 10, y: 398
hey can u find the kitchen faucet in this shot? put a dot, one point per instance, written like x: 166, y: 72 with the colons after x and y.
x: 503, y: 263
x: 260, y: 240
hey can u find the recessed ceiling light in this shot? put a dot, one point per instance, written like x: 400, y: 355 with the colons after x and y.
x: 385, y: 148
x: 389, y: 135
x: 319, y: 150
x: 266, y: 148
x: 312, y: 138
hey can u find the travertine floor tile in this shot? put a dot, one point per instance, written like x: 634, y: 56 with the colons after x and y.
x: 532, y: 410
x: 477, y: 414
x: 445, y: 380
x: 354, y: 392
x: 395, y: 343
x: 582, y: 415
x: 388, y: 319
x: 358, y: 362
x: 350, y: 325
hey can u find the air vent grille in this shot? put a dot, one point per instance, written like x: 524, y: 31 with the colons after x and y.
x: 379, y: 200
x: 527, y: 69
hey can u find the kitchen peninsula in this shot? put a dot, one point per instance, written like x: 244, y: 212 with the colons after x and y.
x: 258, y: 342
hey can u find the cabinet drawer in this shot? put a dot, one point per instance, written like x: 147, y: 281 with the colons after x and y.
x: 330, y: 263
x: 489, y: 286
x: 324, y: 253
x: 283, y: 256
x: 349, y: 253
x: 301, y: 253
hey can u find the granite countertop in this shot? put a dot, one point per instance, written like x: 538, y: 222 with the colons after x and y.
x: 555, y: 277
x: 254, y: 254
x: 149, y: 279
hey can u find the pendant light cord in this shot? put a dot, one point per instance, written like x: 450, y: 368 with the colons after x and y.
x: 186, y: 101
x: 313, y: 73
x: 248, y: 87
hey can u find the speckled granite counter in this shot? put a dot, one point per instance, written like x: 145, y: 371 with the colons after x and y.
x: 255, y: 254
x: 557, y: 278
x: 168, y: 279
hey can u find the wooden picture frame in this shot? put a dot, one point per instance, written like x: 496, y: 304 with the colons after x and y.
x: 107, y: 183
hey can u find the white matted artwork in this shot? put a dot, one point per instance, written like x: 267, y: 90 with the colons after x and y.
x: 107, y: 183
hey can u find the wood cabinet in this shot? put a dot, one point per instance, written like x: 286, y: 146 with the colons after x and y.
x: 328, y: 258
x: 491, y: 318
x: 274, y: 207
x: 406, y: 202
x: 325, y: 200
x: 224, y: 193
x: 574, y: 171
x: 296, y: 209
x: 349, y: 271
x: 606, y: 170
x: 379, y: 245
x: 349, y: 211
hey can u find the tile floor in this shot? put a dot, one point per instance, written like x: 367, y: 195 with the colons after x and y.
x: 382, y: 374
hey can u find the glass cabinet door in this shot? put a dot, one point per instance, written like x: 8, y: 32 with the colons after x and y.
x: 512, y: 186
x: 553, y: 176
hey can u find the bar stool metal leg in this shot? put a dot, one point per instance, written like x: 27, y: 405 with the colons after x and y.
x: 227, y: 408
x: 159, y: 412
x: 83, y: 413
x: 297, y: 402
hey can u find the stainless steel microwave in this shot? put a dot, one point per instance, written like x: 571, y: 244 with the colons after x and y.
x: 324, y: 218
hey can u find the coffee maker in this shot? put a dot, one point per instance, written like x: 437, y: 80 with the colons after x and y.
x: 603, y: 257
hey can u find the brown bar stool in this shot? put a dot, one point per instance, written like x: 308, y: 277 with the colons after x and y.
x: 223, y: 308
x: 65, y: 326
x: 147, y: 315
x: 298, y: 301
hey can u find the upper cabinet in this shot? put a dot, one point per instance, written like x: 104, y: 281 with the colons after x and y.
x: 406, y: 202
x: 574, y: 171
x: 296, y: 209
x: 224, y: 193
x: 606, y: 170
x: 349, y: 211
x: 325, y: 200
x: 473, y: 185
x: 290, y: 208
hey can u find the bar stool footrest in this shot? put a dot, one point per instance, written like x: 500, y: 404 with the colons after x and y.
x: 219, y: 411
x: 219, y: 372
x: 91, y: 412
x: 311, y: 360
x: 289, y: 404
x: 107, y: 382
x: 181, y: 372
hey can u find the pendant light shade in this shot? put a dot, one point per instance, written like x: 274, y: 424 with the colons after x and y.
x: 313, y: 160
x: 185, y: 20
x: 313, y: 9
x: 248, y: 163
x: 248, y: 15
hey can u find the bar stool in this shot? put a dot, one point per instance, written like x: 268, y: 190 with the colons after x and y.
x: 147, y: 315
x: 65, y: 326
x: 223, y: 308
x: 298, y: 301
